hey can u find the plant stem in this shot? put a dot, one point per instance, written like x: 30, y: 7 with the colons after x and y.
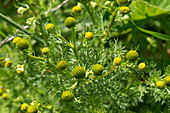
x: 75, y: 49
x: 90, y: 13
x: 35, y: 58
x: 3, y: 34
x: 32, y: 9
x: 43, y: 32
x: 165, y: 55
x: 3, y: 17
x: 108, y: 29
x: 14, y: 24
x: 68, y: 72
x: 65, y: 41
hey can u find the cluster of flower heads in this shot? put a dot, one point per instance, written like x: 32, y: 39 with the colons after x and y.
x: 78, y: 72
x: 32, y: 108
x: 165, y: 81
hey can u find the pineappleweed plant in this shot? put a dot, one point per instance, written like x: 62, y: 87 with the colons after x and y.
x: 72, y: 66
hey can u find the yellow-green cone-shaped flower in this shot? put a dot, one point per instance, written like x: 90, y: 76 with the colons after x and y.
x: 49, y: 27
x: 122, y: 2
x: 67, y: 96
x: 89, y: 36
x: 76, y: 10
x: 124, y: 10
x: 22, y: 44
x: 117, y: 60
x: 24, y: 107
x: 167, y: 80
x: 97, y: 69
x: 8, y: 64
x: 132, y: 55
x: 160, y: 84
x: 32, y: 109
x: 79, y: 72
x: 142, y: 66
x: 61, y: 65
x: 16, y: 39
x: 70, y: 22
x: 4, y: 96
x: 45, y: 51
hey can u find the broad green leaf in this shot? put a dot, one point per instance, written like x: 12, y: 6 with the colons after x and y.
x: 163, y: 4
x: 142, y: 9
x: 155, y: 34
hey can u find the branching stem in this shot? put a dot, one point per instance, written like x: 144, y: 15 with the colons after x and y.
x: 90, y: 13
x: 3, y: 17
x: 108, y: 29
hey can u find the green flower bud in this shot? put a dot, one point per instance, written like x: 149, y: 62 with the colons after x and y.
x: 142, y: 66
x: 160, y: 84
x: 89, y: 36
x: 122, y: 2
x: 4, y: 96
x: 70, y: 22
x: 124, y: 10
x: 8, y: 64
x: 61, y: 65
x: 45, y: 51
x: 117, y: 60
x: 167, y: 80
x: 79, y: 72
x: 32, y: 109
x: 76, y: 10
x: 97, y: 69
x: 24, y: 107
x: 16, y: 39
x: 22, y: 44
x: 67, y: 96
x: 132, y: 55
x: 49, y: 27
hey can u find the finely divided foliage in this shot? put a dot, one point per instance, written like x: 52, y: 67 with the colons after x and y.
x: 73, y: 57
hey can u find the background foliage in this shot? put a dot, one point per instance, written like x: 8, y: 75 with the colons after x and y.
x: 120, y: 89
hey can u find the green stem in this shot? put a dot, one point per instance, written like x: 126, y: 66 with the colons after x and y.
x: 35, y: 58
x: 3, y: 34
x: 75, y: 49
x: 68, y: 72
x: 165, y: 55
x: 90, y: 13
x: 32, y: 9
x: 106, y: 74
x: 3, y: 17
x: 81, y: 44
x: 43, y: 32
x: 108, y: 29
x: 14, y: 24
x: 65, y: 41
